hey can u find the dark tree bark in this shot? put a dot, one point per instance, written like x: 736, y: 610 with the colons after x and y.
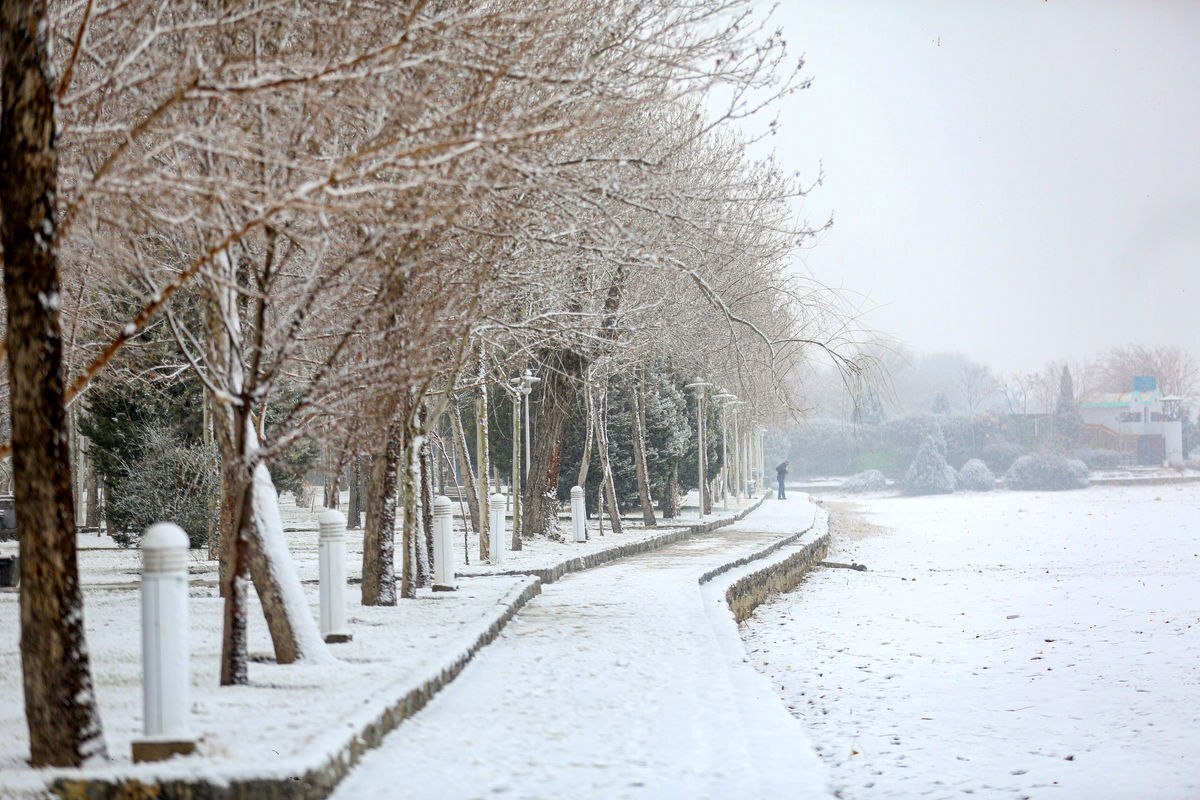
x: 354, y: 505
x: 639, y: 453
x: 560, y: 389
x: 468, y: 483
x: 607, y: 487
x: 379, y: 534
x: 92, y: 520
x: 60, y: 705
x: 669, y: 502
x: 425, y: 462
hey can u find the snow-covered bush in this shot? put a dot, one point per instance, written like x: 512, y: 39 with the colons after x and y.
x: 1099, y: 459
x: 999, y: 456
x: 870, y: 481
x: 929, y: 473
x: 976, y: 477
x: 172, y: 481
x: 1046, y: 471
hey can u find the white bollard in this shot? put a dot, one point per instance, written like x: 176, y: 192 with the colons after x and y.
x: 332, y: 559
x: 443, y: 551
x: 165, y: 669
x: 496, y: 529
x: 578, y: 514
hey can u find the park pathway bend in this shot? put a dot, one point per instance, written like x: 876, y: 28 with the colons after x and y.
x: 614, y: 682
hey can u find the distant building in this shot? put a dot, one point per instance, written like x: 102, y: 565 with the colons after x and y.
x: 1143, y: 423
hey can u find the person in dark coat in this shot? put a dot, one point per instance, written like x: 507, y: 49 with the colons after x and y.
x: 781, y: 473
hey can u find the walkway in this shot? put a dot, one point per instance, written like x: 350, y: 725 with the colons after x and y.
x: 615, y: 682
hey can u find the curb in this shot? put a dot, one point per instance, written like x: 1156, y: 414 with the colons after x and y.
x: 320, y: 781
x: 751, y: 590
x: 601, y: 557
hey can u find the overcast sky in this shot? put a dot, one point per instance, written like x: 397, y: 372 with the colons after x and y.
x: 1017, y: 180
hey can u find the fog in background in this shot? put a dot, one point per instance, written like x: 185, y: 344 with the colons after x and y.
x: 1018, y: 181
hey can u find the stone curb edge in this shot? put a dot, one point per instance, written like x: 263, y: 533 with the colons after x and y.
x: 320, y: 781
x: 753, y: 589
x: 601, y: 557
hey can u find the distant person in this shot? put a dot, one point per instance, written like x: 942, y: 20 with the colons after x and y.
x: 781, y: 474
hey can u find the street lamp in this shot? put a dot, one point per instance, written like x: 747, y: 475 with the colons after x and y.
x: 514, y: 385
x: 527, y: 382
x: 698, y: 386
x: 738, y: 477
x: 725, y: 398
x: 762, y: 456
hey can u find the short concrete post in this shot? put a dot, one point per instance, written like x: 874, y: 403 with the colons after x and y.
x: 332, y: 560
x: 578, y: 514
x: 443, y: 551
x: 165, y: 670
x: 496, y: 529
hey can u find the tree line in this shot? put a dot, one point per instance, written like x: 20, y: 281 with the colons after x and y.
x: 326, y: 231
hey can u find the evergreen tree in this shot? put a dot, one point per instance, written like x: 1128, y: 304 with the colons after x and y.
x: 1068, y: 420
x: 929, y: 473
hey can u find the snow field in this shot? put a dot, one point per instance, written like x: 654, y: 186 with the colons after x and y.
x: 1009, y: 644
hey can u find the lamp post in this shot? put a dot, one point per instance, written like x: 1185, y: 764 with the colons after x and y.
x: 725, y: 398
x: 527, y: 382
x: 738, y: 478
x: 515, y: 394
x: 762, y: 454
x: 698, y: 386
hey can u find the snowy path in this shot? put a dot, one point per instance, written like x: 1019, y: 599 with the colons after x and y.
x: 613, y: 683
x: 1013, y: 644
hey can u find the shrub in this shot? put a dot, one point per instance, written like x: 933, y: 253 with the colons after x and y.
x: 976, y: 477
x: 929, y: 473
x: 1099, y: 459
x: 999, y: 456
x: 1046, y: 471
x: 172, y: 481
x: 870, y: 481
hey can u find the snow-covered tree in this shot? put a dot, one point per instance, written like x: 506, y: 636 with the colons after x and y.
x: 976, y: 477
x: 929, y: 473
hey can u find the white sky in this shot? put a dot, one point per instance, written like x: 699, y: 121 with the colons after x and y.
x: 1018, y: 180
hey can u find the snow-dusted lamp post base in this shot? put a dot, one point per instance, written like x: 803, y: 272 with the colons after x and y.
x: 165, y: 674
x: 578, y: 514
x: 332, y: 560
x: 496, y: 529
x: 443, y: 552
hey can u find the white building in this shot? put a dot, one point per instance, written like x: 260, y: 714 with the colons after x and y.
x: 1142, y: 423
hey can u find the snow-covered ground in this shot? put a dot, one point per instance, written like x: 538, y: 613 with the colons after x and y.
x: 1011, y: 644
x: 289, y: 715
x: 616, y: 682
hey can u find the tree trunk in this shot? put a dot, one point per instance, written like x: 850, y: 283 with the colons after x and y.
x: 586, y: 460
x: 669, y: 503
x: 333, y: 479
x: 560, y: 388
x: 60, y: 705
x: 93, y: 497
x: 610, y: 492
x: 639, y: 454
x: 468, y: 485
x: 408, y: 537
x: 379, y: 536
x: 260, y: 553
x: 425, y: 465
x: 252, y: 526
x: 483, y: 466
x: 354, y: 505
